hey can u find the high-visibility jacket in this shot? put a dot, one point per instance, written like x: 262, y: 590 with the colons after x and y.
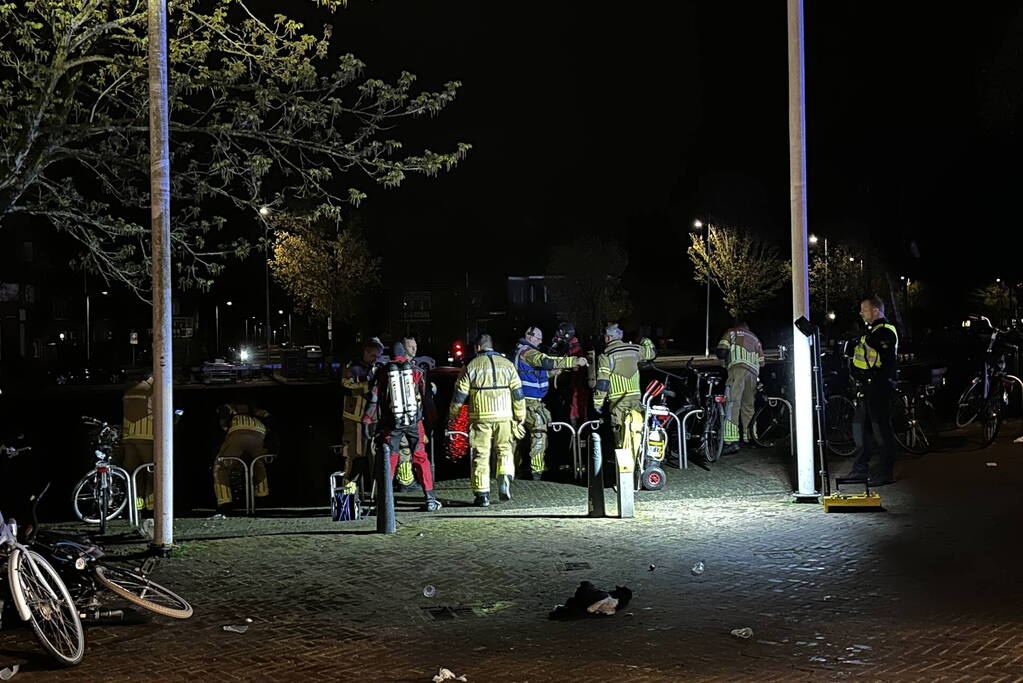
x: 618, y: 370
x: 138, y: 412
x: 356, y: 381
x: 882, y: 340
x: 492, y: 387
x: 243, y: 420
x: 742, y: 349
x: 534, y: 368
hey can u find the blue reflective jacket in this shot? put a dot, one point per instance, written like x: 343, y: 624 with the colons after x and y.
x: 534, y: 380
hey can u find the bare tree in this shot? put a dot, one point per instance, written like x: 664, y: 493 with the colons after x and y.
x: 746, y: 270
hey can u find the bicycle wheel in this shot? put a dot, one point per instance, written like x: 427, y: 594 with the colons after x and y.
x: 990, y: 419
x: 970, y: 403
x: 713, y: 433
x: 37, y: 587
x: 839, y: 413
x: 904, y: 425
x: 770, y: 425
x: 85, y: 498
x: 140, y: 590
x: 104, y: 499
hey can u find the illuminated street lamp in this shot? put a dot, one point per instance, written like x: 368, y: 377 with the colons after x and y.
x: 216, y: 315
x: 698, y: 225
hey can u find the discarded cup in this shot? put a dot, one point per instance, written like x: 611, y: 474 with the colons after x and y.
x: 8, y: 673
x: 744, y: 633
x: 429, y: 591
x: 236, y: 628
x: 698, y: 568
x: 248, y: 620
x: 448, y: 675
x: 652, y: 567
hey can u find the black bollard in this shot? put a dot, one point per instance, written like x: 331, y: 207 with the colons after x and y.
x: 595, y: 479
x: 385, y: 494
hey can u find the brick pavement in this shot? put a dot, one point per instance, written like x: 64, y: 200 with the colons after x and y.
x: 927, y: 590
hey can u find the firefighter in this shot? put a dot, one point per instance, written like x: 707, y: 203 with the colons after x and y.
x: 396, y: 402
x: 535, y: 368
x: 618, y: 378
x: 743, y: 355
x: 497, y: 410
x: 137, y: 437
x: 566, y: 343
x: 246, y: 427
x: 405, y: 477
x: 356, y: 381
x: 875, y: 368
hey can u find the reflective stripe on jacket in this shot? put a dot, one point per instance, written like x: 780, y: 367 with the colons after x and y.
x: 491, y: 386
x: 865, y: 357
x: 618, y: 370
x: 744, y: 350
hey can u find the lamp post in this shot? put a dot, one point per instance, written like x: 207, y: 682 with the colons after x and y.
x: 699, y: 225
x: 264, y: 211
x: 216, y: 315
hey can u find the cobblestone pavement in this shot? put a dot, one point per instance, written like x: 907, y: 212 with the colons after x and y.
x: 926, y: 590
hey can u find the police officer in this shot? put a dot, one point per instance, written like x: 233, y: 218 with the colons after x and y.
x: 137, y: 437
x: 356, y: 381
x: 246, y: 427
x: 743, y: 356
x: 618, y: 378
x: 396, y: 402
x: 497, y: 409
x: 875, y: 368
x: 535, y: 369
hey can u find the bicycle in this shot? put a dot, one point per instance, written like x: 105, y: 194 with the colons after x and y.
x: 41, y: 598
x: 102, y: 494
x: 710, y: 403
x: 86, y: 571
x: 913, y: 417
x: 988, y: 392
x: 771, y: 421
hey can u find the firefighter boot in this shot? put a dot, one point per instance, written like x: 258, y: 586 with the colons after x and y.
x: 504, y: 487
x: 432, y: 504
x: 482, y: 500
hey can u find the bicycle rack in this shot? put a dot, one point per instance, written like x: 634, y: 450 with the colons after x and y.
x: 685, y: 441
x: 663, y: 410
x: 774, y: 401
x: 1018, y: 381
x: 469, y: 454
x: 248, y: 470
x: 577, y: 461
x: 366, y: 499
x: 134, y: 517
x: 594, y: 425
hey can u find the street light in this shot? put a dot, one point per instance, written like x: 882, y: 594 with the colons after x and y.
x: 216, y: 315
x: 698, y: 224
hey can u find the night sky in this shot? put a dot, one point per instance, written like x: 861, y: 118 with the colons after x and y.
x: 629, y: 123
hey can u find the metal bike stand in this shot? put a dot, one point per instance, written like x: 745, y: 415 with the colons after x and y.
x: 134, y: 517
x: 128, y: 484
x: 662, y: 410
x: 1018, y: 381
x: 685, y: 434
x: 576, y: 456
x: 774, y: 401
x: 245, y: 472
x: 594, y: 425
x: 449, y: 432
x: 269, y: 457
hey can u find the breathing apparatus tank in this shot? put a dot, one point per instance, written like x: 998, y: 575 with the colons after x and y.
x: 402, y: 394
